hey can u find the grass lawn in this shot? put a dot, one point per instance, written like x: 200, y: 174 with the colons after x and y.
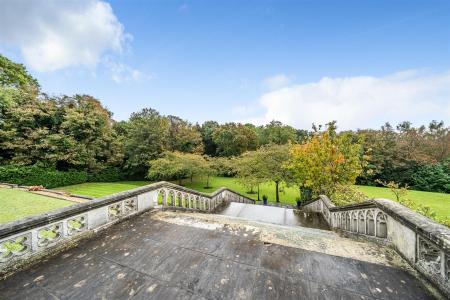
x: 437, y: 201
x: 16, y: 204
x: 287, y: 195
x: 100, y: 189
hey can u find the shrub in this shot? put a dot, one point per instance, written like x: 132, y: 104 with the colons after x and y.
x: 105, y: 175
x: 38, y: 175
x: 431, y: 178
x: 347, y: 194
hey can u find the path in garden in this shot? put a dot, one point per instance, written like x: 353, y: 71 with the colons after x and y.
x: 50, y: 193
x: 170, y: 255
x: 62, y: 196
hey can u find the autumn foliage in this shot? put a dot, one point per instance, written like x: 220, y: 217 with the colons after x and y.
x: 326, y: 161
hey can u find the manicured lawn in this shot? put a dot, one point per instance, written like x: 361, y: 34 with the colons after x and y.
x: 16, y: 204
x: 287, y: 195
x: 100, y: 189
x: 439, y: 202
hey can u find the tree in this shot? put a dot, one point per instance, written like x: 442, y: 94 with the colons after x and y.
x: 234, y: 139
x: 16, y: 85
x: 178, y: 165
x: 16, y: 76
x: 207, y: 129
x: 250, y: 171
x: 171, y: 166
x: 206, y: 169
x: 65, y: 132
x: 146, y: 136
x: 183, y: 136
x: 224, y: 166
x: 325, y: 161
x: 273, y: 160
x: 277, y: 133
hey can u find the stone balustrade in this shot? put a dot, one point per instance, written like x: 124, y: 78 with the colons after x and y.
x: 173, y: 196
x: 424, y: 243
x: 31, y: 238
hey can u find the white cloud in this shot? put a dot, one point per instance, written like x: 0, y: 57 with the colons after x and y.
x: 55, y: 34
x: 277, y: 81
x: 122, y: 73
x: 361, y: 102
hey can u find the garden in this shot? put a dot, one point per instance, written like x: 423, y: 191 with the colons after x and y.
x: 72, y: 143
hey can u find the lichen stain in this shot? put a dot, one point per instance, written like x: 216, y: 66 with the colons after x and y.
x: 80, y: 283
x: 151, y: 288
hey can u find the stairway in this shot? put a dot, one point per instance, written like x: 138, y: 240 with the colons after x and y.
x: 275, y: 215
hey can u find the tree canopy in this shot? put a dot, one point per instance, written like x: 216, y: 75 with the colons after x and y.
x: 326, y: 161
x: 77, y: 132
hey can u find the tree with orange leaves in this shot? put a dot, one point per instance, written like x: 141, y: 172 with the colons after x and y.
x: 326, y: 160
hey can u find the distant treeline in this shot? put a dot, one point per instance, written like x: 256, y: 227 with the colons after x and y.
x: 77, y: 133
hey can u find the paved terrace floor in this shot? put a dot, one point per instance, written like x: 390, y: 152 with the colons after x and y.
x: 168, y: 255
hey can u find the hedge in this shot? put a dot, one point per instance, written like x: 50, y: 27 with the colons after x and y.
x: 36, y: 175
x: 106, y: 175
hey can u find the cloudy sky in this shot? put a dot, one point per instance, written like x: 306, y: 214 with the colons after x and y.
x: 361, y: 62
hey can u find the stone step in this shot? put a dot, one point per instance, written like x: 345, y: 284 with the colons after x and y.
x: 275, y: 215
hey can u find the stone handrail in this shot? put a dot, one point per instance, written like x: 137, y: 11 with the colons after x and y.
x: 424, y: 243
x: 33, y: 237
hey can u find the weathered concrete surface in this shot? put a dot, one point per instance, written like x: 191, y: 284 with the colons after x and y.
x: 274, y: 215
x: 193, y: 256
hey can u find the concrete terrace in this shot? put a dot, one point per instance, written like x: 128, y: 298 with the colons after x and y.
x: 174, y: 255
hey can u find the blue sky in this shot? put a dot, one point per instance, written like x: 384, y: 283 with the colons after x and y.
x: 296, y: 61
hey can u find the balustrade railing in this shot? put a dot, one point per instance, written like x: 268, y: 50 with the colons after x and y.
x: 36, y: 236
x: 423, y: 242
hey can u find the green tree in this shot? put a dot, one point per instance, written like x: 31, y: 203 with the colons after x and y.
x: 206, y: 169
x: 183, y: 136
x: 16, y: 75
x: 146, y: 136
x: 250, y: 171
x: 178, y: 165
x: 273, y: 159
x: 171, y: 166
x: 66, y: 132
x: 207, y: 129
x: 16, y: 85
x: 234, y: 139
x: 277, y: 133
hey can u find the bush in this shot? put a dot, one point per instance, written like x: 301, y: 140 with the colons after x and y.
x: 105, y: 175
x: 347, y: 194
x: 38, y: 175
x: 431, y: 178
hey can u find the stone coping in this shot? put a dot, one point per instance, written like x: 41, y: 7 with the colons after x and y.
x: 428, y: 228
x: 17, y: 226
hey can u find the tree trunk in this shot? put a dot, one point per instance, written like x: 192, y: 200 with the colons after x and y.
x: 277, y: 193
x: 258, y: 193
x: 207, y: 181
x: 180, y: 181
x: 192, y: 175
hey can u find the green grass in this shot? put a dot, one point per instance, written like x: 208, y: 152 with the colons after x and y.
x: 439, y: 202
x: 16, y: 204
x: 287, y: 194
x: 100, y: 189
